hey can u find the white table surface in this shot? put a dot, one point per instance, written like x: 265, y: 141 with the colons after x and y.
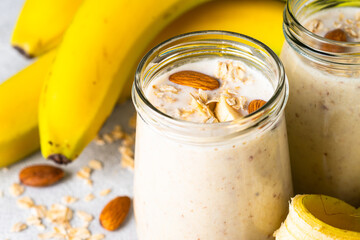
x: 112, y: 176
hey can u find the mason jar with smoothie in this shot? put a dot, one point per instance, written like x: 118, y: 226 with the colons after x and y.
x: 211, y: 144
x: 322, y: 61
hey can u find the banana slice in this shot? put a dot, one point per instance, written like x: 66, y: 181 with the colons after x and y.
x: 224, y: 112
x: 319, y: 217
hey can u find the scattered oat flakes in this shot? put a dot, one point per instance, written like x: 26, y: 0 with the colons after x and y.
x: 127, y: 154
x: 40, y: 227
x: 349, y: 21
x: 222, y: 71
x: 5, y: 169
x: 25, y: 202
x: 315, y: 25
x: 357, y: 16
x: 33, y: 220
x: 79, y: 233
x: 69, y: 199
x: 86, y: 217
x: 129, y: 140
x: 99, y: 141
x: 105, y: 192
x: 98, y: 236
x: 132, y: 121
x: 126, y: 151
x: 108, y: 138
x: 159, y: 94
x: 341, y: 16
x: 186, y: 113
x: 230, y: 71
x: 88, y: 182
x: 89, y: 197
x: 95, y: 164
x: 168, y: 88
x: 39, y: 211
x: 16, y: 189
x: 18, y: 227
x: 117, y: 133
x: 170, y: 99
x: 127, y: 162
x: 239, y: 73
x: 337, y: 24
x: 84, y: 173
x: 351, y: 32
x: 47, y: 235
x: 59, y: 214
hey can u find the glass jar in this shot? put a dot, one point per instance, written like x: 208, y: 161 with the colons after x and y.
x: 227, y: 180
x: 323, y: 111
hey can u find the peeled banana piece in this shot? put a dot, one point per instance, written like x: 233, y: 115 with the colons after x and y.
x: 224, y: 112
x: 19, y: 99
x: 320, y: 217
x: 41, y: 24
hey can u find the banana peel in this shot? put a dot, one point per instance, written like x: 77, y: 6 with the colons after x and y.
x: 41, y: 24
x: 19, y: 98
x: 320, y: 217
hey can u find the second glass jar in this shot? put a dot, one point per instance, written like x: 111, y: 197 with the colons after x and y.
x: 323, y: 110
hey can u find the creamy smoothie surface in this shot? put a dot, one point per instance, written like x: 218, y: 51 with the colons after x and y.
x: 346, y: 19
x: 239, y: 84
x: 323, y: 111
x: 229, y: 190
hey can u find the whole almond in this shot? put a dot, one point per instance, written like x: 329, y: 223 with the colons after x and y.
x: 195, y: 79
x: 114, y: 213
x: 40, y: 175
x: 255, y: 105
x: 336, y: 35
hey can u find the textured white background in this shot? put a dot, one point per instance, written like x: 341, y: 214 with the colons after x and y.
x: 112, y: 176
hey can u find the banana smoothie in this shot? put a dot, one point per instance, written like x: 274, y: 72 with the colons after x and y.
x: 208, y: 172
x: 323, y: 111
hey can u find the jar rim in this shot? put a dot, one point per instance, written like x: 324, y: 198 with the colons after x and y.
x: 297, y: 33
x: 255, y: 118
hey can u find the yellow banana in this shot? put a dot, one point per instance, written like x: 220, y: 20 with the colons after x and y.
x: 260, y: 19
x: 94, y: 60
x: 19, y: 98
x: 319, y: 217
x: 41, y: 24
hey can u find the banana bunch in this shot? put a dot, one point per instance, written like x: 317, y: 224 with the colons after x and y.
x: 319, y: 217
x: 99, y: 46
x: 19, y: 98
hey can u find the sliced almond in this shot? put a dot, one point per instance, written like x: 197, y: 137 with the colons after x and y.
x: 114, y: 213
x: 224, y: 112
x: 254, y: 105
x: 195, y: 79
